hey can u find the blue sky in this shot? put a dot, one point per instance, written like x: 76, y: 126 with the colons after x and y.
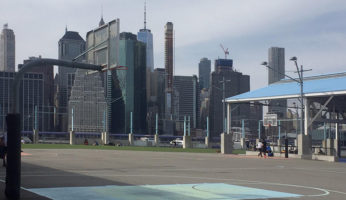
x: 312, y: 30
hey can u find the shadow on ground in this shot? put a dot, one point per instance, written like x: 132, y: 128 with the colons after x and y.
x: 35, y: 176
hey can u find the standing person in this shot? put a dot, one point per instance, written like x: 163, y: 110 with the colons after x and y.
x: 260, y: 148
x: 264, y: 148
x: 247, y: 144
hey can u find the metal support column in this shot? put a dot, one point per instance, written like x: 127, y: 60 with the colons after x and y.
x: 54, y: 117
x: 279, y: 123
x: 72, y: 123
x: 259, y: 129
x: 243, y: 129
x: 207, y: 126
x: 156, y: 124
x: 223, y: 104
x: 306, y: 116
x: 189, y: 127
x: 229, y: 117
x: 131, y: 123
x: 184, y: 125
x: 35, y: 122
x: 104, y: 121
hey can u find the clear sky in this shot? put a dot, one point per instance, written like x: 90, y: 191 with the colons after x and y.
x: 312, y: 30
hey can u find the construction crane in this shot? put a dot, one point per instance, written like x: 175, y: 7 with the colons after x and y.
x: 225, y: 51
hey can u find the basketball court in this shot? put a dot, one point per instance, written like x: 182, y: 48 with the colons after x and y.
x: 105, y: 174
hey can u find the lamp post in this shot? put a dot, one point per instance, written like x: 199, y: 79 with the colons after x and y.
x: 300, y: 81
x: 297, y: 116
x: 223, y: 102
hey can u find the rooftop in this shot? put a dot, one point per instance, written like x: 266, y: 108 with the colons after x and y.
x: 72, y: 35
x: 322, y: 85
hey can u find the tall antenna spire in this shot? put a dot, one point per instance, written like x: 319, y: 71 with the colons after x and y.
x: 101, y: 11
x: 145, y: 14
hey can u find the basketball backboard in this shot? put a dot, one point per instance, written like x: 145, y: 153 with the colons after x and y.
x: 103, y: 44
x: 270, y: 120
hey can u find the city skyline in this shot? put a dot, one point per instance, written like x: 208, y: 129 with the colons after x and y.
x: 312, y: 31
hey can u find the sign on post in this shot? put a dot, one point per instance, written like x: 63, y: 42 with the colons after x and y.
x: 270, y: 120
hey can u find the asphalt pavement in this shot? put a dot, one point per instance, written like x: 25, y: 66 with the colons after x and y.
x: 109, y: 174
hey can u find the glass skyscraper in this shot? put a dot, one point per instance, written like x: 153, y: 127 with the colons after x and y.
x: 145, y: 36
x: 204, y: 68
x: 132, y: 55
x: 188, y: 99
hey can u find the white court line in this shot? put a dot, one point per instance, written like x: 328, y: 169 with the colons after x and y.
x: 344, y: 193
x: 199, y: 170
x: 321, y: 170
x: 177, y: 169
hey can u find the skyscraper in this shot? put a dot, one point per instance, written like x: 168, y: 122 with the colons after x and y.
x: 158, y: 86
x: 204, y: 68
x: 276, y: 61
x: 169, y: 54
x: 70, y: 46
x: 204, y: 108
x: 157, y: 103
x: 145, y: 36
x: 7, y: 50
x: 114, y: 81
x: 88, y: 103
x: 188, y: 98
x: 169, y: 66
x: 46, y: 109
x: 31, y: 96
x: 235, y: 83
x: 132, y: 55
